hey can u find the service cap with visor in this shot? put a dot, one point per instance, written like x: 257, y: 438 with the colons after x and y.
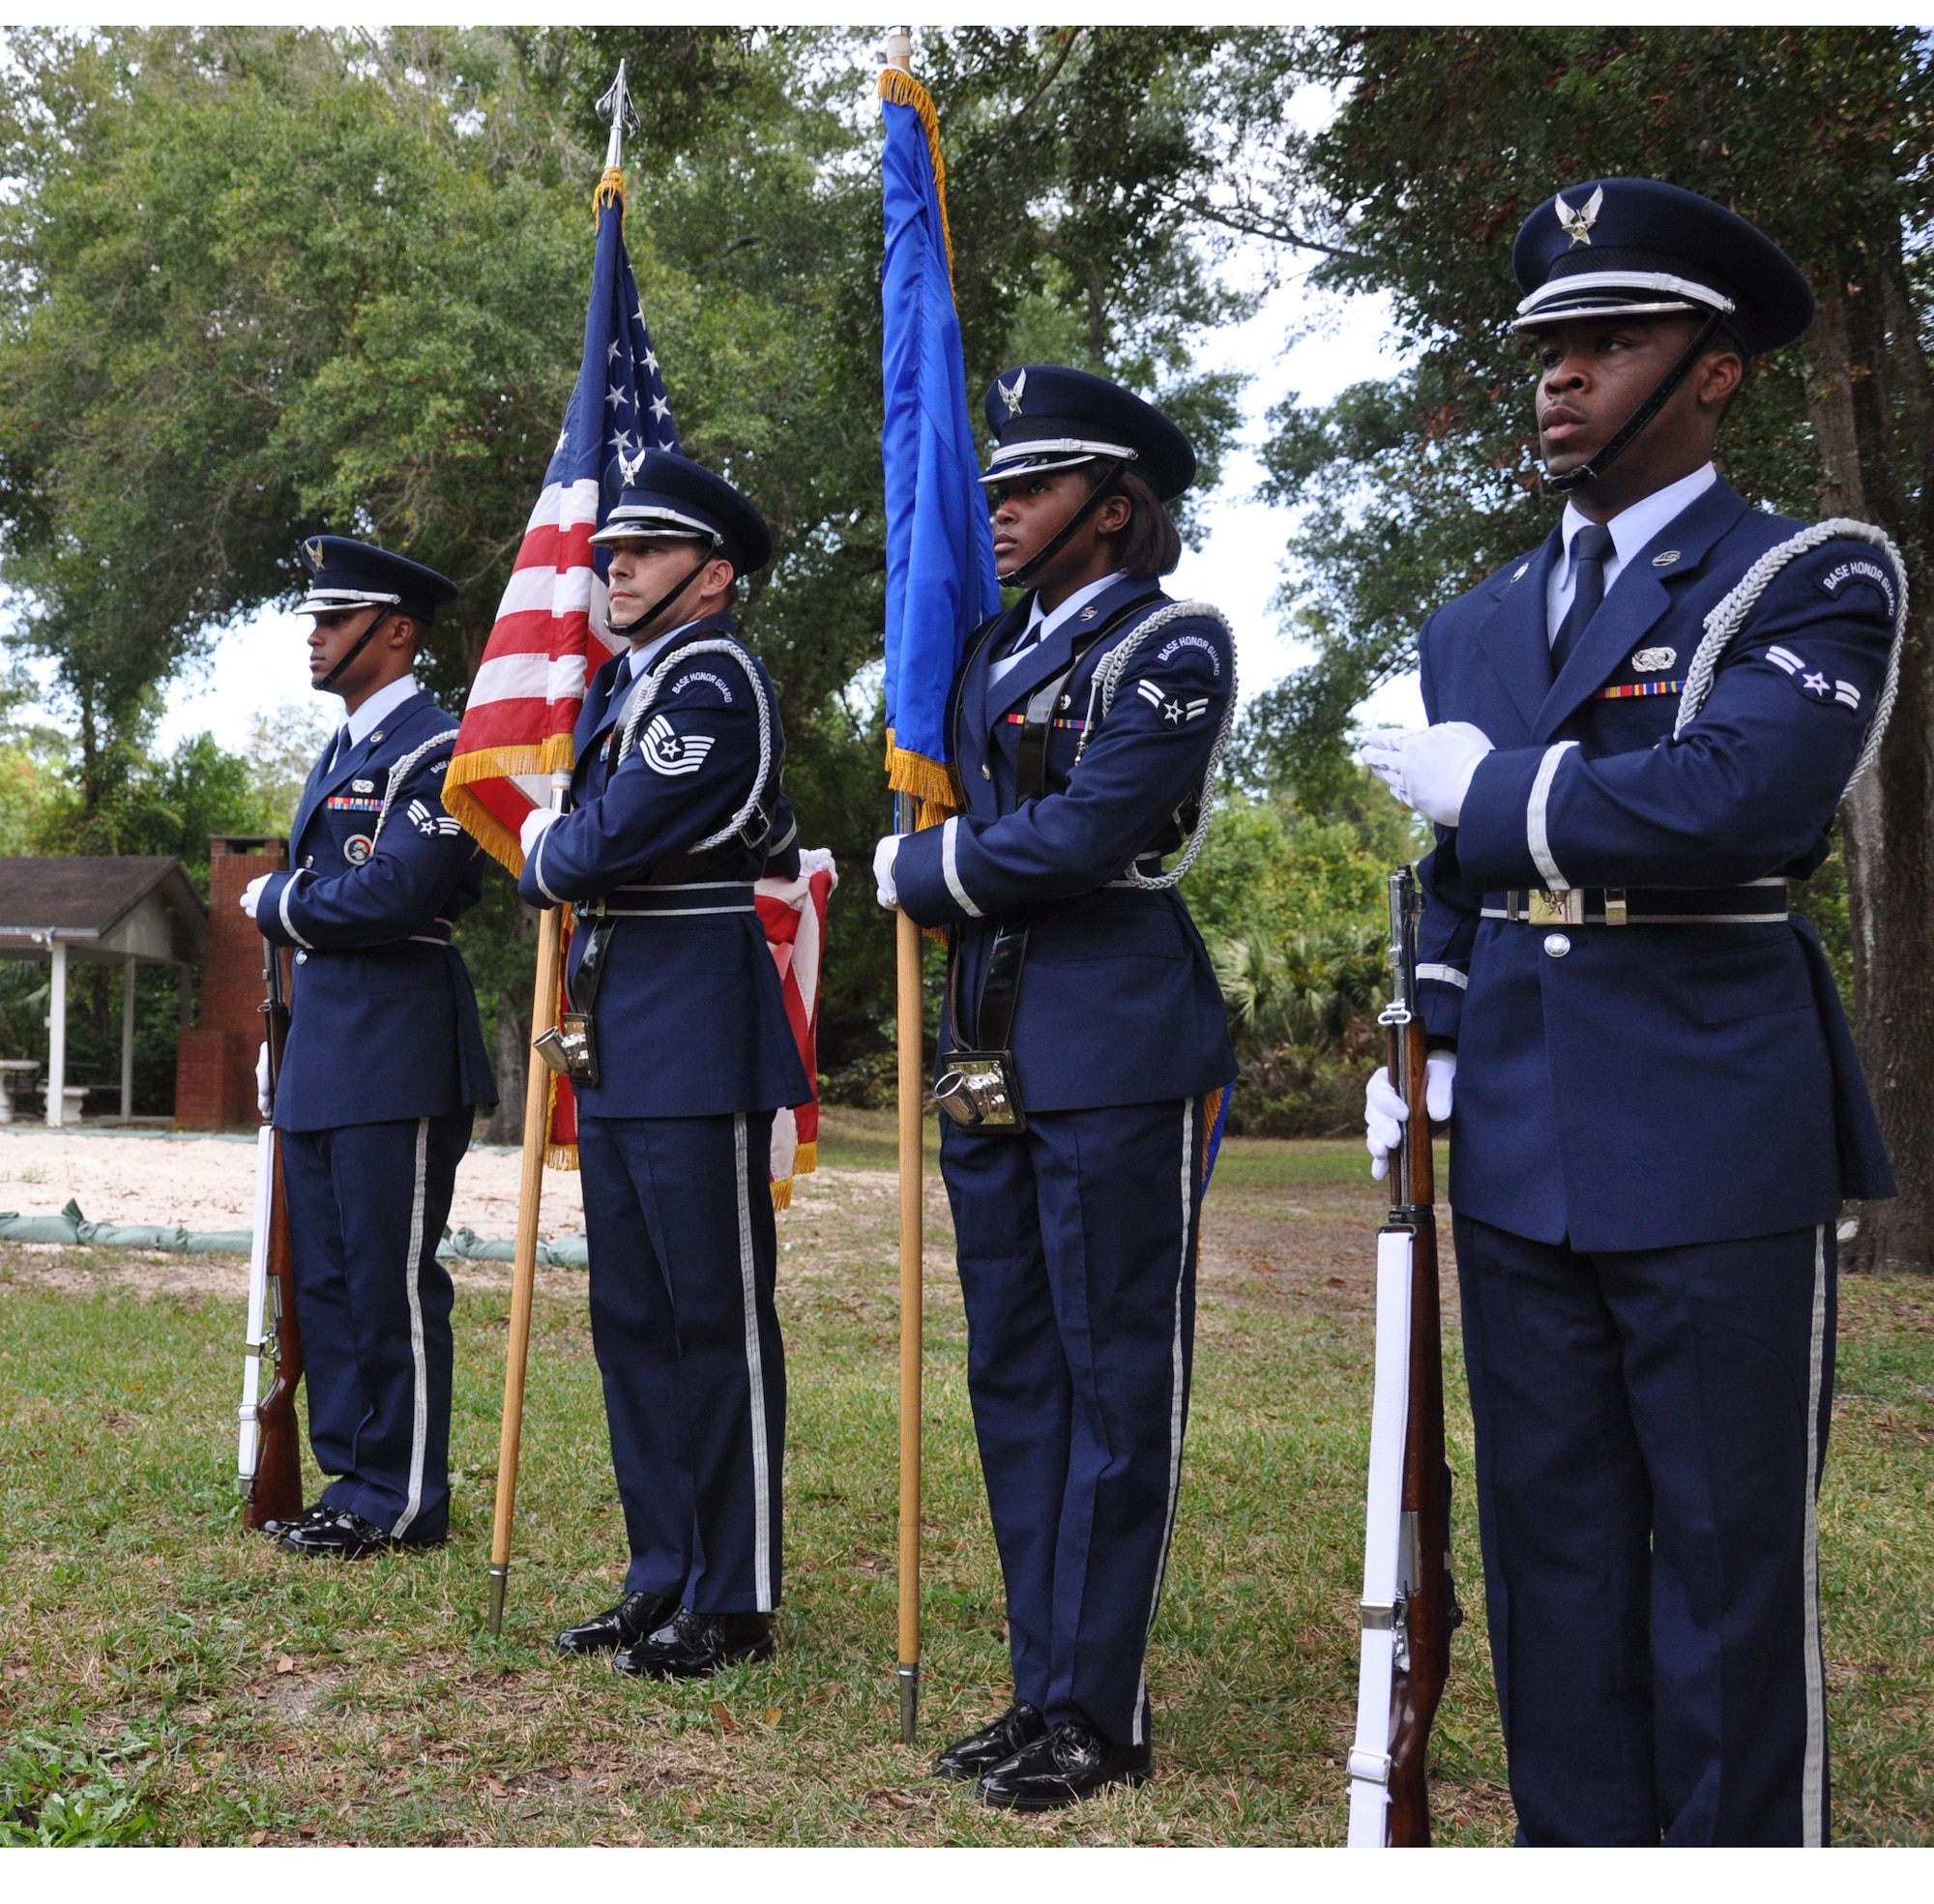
x: 1047, y: 417
x: 1641, y: 248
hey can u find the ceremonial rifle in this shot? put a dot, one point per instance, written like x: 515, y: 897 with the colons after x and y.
x: 269, y: 1463
x: 1409, y: 1605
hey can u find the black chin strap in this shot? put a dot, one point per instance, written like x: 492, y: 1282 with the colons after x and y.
x: 1097, y: 496
x: 1594, y: 467
x: 634, y: 630
x: 363, y: 641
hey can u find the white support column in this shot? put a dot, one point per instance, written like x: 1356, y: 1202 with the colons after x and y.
x: 127, y: 1040
x: 56, y: 1031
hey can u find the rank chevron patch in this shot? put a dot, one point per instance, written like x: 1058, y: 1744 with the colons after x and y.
x: 669, y: 752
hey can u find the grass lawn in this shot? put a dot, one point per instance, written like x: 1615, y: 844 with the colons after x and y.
x: 164, y: 1677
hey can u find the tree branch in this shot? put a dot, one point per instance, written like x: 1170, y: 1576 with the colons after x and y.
x: 1053, y: 73
x: 1271, y: 230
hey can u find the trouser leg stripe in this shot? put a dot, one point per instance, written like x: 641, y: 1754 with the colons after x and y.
x: 420, y: 1415
x: 762, y: 1486
x: 1814, y: 1775
x: 1176, y: 1402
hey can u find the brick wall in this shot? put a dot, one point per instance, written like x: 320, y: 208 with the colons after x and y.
x: 214, y: 1079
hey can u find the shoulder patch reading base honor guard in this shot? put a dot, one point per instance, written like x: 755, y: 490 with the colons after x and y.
x: 1861, y: 570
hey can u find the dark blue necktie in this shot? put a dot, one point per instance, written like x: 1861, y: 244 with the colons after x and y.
x: 1588, y: 549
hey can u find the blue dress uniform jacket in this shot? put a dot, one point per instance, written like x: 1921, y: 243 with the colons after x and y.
x: 1119, y: 1003
x: 1655, y: 1127
x: 383, y: 1020
x: 695, y: 990
x: 1077, y: 1238
x: 383, y: 1068
x: 695, y: 1054
x: 1657, y: 1084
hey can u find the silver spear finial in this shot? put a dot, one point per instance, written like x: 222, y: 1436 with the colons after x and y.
x: 616, y: 106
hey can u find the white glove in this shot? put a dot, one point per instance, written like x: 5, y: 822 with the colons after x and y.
x: 262, y: 1102
x: 886, y: 855
x: 1385, y: 1112
x: 251, y: 894
x: 818, y: 858
x: 1429, y: 769
x: 534, y: 823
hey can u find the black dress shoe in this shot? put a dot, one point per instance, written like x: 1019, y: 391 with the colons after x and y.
x: 344, y: 1537
x: 274, y: 1529
x: 1017, y: 1729
x: 1074, y: 1762
x: 689, y: 1645
x: 625, y: 1625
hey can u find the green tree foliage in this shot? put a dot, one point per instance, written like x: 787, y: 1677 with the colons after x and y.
x: 255, y: 283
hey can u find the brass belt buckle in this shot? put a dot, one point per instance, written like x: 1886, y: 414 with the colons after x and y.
x: 1566, y: 908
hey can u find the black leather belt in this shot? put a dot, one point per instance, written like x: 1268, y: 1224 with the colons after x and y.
x: 1761, y: 903
x: 700, y: 895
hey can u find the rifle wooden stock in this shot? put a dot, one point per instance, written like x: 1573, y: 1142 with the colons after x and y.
x: 275, y: 1491
x: 1430, y: 1613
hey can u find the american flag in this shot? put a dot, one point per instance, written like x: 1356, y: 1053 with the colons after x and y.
x: 551, y: 636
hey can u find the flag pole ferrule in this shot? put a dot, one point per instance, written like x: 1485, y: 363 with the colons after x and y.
x: 500, y: 1582
x: 909, y: 1702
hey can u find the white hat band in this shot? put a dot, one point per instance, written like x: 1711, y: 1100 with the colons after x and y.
x: 334, y: 600
x: 635, y: 524
x: 1566, y: 296
x: 1045, y: 455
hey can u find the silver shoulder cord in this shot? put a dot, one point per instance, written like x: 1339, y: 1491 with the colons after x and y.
x: 1726, y: 620
x: 1102, y: 688
x: 648, y: 692
x: 400, y: 773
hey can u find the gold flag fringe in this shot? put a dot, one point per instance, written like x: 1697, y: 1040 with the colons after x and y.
x: 899, y: 88
x: 1212, y: 1109
x: 610, y: 191
x: 476, y: 819
x: 932, y: 782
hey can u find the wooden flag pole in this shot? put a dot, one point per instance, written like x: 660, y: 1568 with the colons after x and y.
x: 912, y: 1097
x: 912, y: 1093
x: 524, y: 1264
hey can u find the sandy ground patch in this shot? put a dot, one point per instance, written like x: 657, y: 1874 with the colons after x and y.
x: 208, y: 1182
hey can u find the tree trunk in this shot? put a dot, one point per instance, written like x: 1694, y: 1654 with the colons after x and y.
x: 1889, y: 841
x: 512, y: 1066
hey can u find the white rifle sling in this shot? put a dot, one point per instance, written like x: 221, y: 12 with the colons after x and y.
x: 258, y: 1303
x: 1383, y: 1545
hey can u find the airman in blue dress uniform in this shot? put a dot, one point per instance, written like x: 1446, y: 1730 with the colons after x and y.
x: 1640, y: 733
x: 1087, y: 719
x: 385, y: 1068
x: 675, y: 812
